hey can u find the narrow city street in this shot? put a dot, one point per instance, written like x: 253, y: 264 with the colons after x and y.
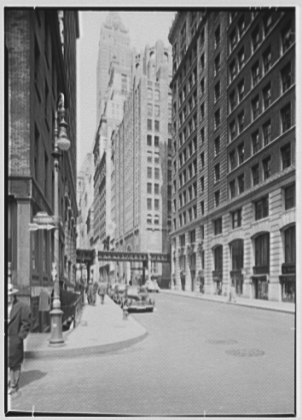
x: 200, y: 358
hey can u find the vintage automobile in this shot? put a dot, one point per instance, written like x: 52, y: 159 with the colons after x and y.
x: 152, y: 286
x: 138, y: 300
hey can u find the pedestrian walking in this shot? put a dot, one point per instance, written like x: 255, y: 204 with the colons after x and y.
x: 90, y: 293
x: 102, y: 291
x: 18, y: 321
x: 232, y: 292
x: 94, y: 292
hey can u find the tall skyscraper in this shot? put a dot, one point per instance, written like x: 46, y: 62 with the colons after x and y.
x: 114, y: 45
x: 142, y: 162
x: 115, y: 75
x: 234, y: 152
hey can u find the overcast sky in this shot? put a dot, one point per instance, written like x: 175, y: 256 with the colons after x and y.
x: 144, y: 28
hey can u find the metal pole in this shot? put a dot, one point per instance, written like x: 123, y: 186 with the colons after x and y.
x: 56, y: 312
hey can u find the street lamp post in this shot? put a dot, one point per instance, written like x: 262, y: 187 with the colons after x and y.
x: 61, y: 143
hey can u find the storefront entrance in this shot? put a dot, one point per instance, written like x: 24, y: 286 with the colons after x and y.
x: 260, y: 287
x: 288, y: 289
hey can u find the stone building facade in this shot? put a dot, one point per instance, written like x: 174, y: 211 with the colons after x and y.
x: 234, y: 121
x: 142, y: 163
x: 40, y: 62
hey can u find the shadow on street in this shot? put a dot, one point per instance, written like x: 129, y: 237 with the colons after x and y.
x: 30, y: 376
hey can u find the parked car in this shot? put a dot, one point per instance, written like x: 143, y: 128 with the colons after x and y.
x: 138, y: 300
x: 152, y: 286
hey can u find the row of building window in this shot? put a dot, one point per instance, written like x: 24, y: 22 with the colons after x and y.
x: 150, y: 172
x: 191, y: 213
x: 150, y: 94
x: 237, y: 156
x: 261, y: 252
x: 154, y: 158
x: 237, y: 126
x: 260, y: 171
x: 149, y: 140
x: 156, y: 125
x: 261, y: 209
x: 153, y: 111
x: 217, y: 122
x: 155, y: 188
x: 260, y: 33
x: 187, y: 108
x: 156, y: 205
x: 261, y: 245
x: 286, y: 81
x: 155, y: 219
x: 188, y: 174
x: 189, y: 194
x: 188, y: 86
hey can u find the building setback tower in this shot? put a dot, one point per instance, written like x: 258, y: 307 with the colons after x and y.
x: 40, y: 59
x: 142, y: 162
x: 234, y: 152
x: 113, y: 45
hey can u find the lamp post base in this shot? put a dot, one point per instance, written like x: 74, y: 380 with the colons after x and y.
x: 56, y: 327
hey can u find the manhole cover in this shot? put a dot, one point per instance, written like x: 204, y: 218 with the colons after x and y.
x: 84, y: 323
x: 245, y: 352
x: 222, y: 341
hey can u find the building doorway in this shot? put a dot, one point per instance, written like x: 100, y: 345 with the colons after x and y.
x: 218, y: 269
x: 262, y: 265
x: 237, y: 255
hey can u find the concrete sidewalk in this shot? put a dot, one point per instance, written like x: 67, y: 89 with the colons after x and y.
x: 101, y: 329
x: 252, y: 303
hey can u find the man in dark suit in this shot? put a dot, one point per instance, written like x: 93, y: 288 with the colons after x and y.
x: 19, y: 319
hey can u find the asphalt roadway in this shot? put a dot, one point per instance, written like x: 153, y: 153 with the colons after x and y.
x: 199, y: 358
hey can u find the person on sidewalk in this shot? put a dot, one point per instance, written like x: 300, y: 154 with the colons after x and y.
x: 94, y: 293
x: 18, y: 321
x: 232, y: 292
x: 90, y: 293
x: 102, y: 291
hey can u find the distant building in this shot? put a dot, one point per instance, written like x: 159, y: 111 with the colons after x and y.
x: 142, y: 163
x: 117, y: 88
x: 85, y: 196
x: 114, y: 44
x: 234, y: 152
x: 40, y: 63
